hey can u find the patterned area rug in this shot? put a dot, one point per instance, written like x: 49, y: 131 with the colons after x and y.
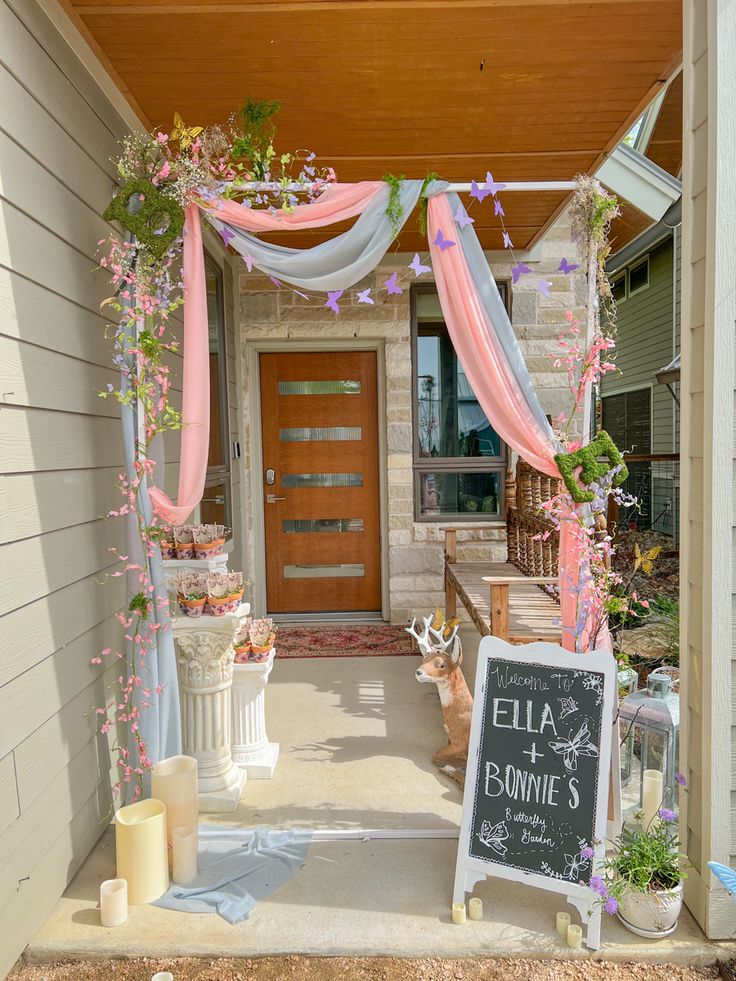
x: 341, y: 640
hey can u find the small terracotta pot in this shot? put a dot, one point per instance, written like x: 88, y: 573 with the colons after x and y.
x: 185, y: 551
x: 260, y: 652
x: 168, y: 550
x: 242, y: 653
x: 191, y: 607
x: 234, y: 601
x: 208, y: 549
x: 218, y: 605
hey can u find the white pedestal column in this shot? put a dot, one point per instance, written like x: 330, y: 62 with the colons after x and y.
x: 204, y: 655
x: 251, y: 749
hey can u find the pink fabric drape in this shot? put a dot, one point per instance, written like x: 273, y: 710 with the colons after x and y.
x: 195, y: 410
x: 337, y: 203
x: 479, y: 351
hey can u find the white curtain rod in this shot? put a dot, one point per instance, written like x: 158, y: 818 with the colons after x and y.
x: 510, y: 186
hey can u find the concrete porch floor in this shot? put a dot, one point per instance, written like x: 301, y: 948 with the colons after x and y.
x: 357, y: 736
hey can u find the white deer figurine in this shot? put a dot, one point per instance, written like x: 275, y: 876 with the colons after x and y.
x: 442, y: 655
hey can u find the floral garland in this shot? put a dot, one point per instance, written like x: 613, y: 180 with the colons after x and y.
x: 162, y: 174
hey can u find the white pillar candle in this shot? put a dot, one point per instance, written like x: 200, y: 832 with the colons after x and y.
x: 562, y: 922
x: 174, y: 781
x: 458, y: 912
x: 113, y: 902
x: 651, y: 796
x: 475, y: 908
x: 163, y: 976
x: 574, y: 935
x: 186, y: 847
x: 141, y: 850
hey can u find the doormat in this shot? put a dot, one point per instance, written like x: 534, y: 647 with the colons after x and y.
x: 326, y: 640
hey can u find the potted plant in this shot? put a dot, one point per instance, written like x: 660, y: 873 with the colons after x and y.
x: 643, y: 879
x: 236, y: 589
x: 262, y: 634
x: 241, y: 644
x: 191, y: 589
x: 218, y: 593
x: 184, y: 541
x: 208, y: 540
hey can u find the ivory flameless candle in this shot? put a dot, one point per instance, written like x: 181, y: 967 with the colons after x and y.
x: 651, y: 796
x: 174, y: 781
x: 574, y: 935
x: 186, y: 847
x: 141, y: 850
x: 113, y: 902
x: 163, y: 976
x: 562, y: 922
x: 458, y: 912
x: 475, y: 908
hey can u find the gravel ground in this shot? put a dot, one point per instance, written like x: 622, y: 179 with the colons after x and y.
x: 359, y: 969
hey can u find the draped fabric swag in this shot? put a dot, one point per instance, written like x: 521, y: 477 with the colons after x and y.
x: 476, y: 319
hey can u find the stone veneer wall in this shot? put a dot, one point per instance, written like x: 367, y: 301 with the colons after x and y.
x: 415, y: 549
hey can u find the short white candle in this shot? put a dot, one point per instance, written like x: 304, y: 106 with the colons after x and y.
x: 574, y: 935
x: 651, y: 796
x: 186, y: 847
x: 562, y: 922
x: 163, y: 976
x: 113, y: 902
x: 475, y: 908
x: 458, y: 912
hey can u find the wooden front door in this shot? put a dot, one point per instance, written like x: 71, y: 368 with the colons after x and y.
x: 320, y: 482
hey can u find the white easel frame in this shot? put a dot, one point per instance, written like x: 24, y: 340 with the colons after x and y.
x: 469, y: 870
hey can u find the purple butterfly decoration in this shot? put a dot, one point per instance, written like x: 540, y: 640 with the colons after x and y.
x: 476, y: 191
x: 392, y: 285
x: 519, y: 270
x: 498, y: 208
x: 248, y: 260
x: 226, y: 235
x: 364, y: 296
x: 441, y: 241
x: 493, y: 186
x: 416, y: 265
x: 567, y: 267
x: 507, y: 243
x: 332, y: 297
x: 462, y: 217
x: 543, y: 287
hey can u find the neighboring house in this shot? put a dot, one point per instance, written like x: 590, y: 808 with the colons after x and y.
x: 639, y: 412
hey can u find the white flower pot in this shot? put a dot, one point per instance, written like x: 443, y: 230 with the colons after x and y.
x: 651, y: 914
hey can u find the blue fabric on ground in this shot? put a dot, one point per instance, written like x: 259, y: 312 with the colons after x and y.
x: 233, y: 877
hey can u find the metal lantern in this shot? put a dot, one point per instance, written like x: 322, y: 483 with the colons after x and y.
x: 627, y: 680
x: 649, y: 722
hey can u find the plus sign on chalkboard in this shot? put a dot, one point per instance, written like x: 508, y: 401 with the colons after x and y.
x: 536, y: 788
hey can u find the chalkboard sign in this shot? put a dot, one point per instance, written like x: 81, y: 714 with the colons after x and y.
x: 537, y: 783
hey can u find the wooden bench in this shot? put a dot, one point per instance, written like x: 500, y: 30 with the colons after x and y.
x: 513, y: 600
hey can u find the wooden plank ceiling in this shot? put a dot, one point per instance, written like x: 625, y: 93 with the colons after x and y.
x: 528, y: 90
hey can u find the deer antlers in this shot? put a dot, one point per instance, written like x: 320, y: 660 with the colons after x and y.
x: 434, y: 638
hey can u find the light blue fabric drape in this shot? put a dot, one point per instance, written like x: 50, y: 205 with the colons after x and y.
x: 238, y: 870
x: 160, y: 721
x: 338, y: 263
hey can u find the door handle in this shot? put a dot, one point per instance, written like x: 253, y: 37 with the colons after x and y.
x: 271, y: 498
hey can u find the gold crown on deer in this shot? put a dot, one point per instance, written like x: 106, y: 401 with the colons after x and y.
x: 442, y: 654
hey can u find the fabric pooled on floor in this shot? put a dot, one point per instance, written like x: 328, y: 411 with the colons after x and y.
x: 237, y: 869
